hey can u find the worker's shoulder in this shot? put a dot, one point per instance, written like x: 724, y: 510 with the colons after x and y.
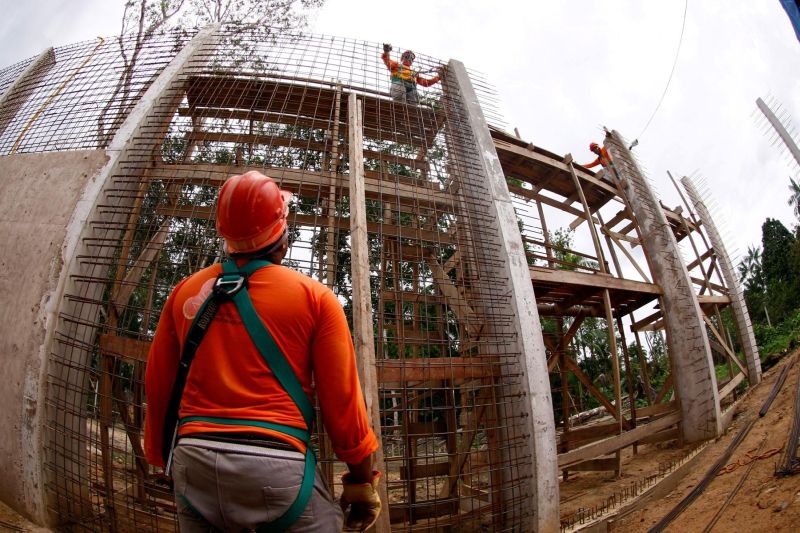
x: 289, y: 275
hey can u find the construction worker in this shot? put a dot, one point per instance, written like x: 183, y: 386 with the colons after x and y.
x: 602, y: 156
x: 404, y: 79
x: 241, y: 348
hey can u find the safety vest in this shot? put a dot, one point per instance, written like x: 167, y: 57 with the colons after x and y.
x: 403, y: 74
x: 231, y: 286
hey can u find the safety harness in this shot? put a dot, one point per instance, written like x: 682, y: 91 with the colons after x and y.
x: 231, y: 285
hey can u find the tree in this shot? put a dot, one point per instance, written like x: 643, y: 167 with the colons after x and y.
x: 780, y: 278
x: 794, y: 198
x: 750, y: 270
x: 143, y: 20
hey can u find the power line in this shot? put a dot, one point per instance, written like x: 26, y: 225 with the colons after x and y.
x: 674, y: 64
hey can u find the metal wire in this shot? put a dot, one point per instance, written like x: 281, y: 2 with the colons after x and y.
x: 449, y: 383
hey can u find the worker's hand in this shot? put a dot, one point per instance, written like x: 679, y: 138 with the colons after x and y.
x: 442, y: 70
x: 363, y: 501
x: 387, y: 48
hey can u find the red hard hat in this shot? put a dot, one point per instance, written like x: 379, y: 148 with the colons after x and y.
x: 593, y: 146
x: 251, y: 212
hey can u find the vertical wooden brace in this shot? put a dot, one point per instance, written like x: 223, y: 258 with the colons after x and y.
x: 363, y: 334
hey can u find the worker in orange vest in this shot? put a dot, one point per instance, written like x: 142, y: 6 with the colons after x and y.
x: 404, y: 78
x: 602, y: 156
x: 240, y: 350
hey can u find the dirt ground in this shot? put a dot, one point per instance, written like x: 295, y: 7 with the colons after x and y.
x: 763, y: 503
x: 10, y: 521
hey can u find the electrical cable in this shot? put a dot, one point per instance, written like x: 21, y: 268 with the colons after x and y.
x: 669, y: 80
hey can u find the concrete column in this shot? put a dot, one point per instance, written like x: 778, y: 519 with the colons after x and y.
x: 535, y: 413
x: 735, y: 292
x: 687, y: 339
x: 18, y: 92
x: 28, y: 451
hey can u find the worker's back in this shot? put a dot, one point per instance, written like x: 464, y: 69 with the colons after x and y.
x: 229, y: 378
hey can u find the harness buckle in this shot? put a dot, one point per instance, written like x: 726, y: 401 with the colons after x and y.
x: 229, y: 287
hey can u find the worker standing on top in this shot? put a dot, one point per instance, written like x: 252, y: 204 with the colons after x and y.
x: 237, y: 348
x: 602, y: 156
x: 404, y: 79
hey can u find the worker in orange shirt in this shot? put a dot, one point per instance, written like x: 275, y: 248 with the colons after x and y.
x: 602, y: 156
x: 404, y: 78
x: 240, y: 350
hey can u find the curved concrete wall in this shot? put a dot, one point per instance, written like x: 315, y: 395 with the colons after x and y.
x: 34, y: 246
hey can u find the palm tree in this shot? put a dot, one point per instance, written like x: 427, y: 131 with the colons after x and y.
x: 750, y: 268
x: 794, y: 199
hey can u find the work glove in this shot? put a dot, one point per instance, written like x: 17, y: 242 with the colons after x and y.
x: 364, y: 503
x: 441, y: 70
x: 387, y: 48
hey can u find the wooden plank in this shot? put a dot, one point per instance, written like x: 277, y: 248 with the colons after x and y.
x: 610, y: 445
x: 596, y: 465
x: 127, y: 348
x: 305, y: 183
x: 603, y: 281
x: 583, y: 378
x: 731, y: 385
x: 463, y: 311
x: 656, y: 409
x: 707, y: 299
x: 590, y: 433
x: 420, y: 471
x: 661, y: 436
x: 363, y: 333
x: 404, y: 371
x: 642, y: 322
x: 708, y: 284
x: 552, y: 162
x: 722, y: 341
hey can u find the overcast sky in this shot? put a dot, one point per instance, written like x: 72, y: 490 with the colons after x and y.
x: 564, y: 69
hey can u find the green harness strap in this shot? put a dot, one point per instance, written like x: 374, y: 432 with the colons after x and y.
x: 276, y: 361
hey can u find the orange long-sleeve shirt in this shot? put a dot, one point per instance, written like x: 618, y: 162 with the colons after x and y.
x: 401, y: 71
x: 603, y: 159
x: 229, y: 378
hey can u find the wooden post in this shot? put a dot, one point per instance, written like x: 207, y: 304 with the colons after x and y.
x: 363, y: 334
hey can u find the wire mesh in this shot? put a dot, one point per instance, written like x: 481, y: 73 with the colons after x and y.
x: 80, y: 100
x: 448, y: 378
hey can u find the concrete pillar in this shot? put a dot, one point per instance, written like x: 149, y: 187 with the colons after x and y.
x: 50, y: 200
x: 735, y: 292
x: 687, y: 339
x: 18, y: 92
x: 534, y: 414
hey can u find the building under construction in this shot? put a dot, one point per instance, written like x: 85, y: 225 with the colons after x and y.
x: 442, y: 235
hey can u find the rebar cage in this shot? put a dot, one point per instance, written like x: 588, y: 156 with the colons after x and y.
x: 448, y: 390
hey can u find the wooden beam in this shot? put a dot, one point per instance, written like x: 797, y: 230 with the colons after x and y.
x: 731, y: 385
x: 610, y: 445
x: 306, y: 183
x: 595, y: 465
x: 459, y: 369
x: 363, y: 333
x: 722, y: 342
x: 124, y: 347
x: 583, y: 378
x: 603, y: 281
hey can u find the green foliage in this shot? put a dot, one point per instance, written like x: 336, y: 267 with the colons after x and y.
x: 780, y: 274
x: 780, y: 338
x: 794, y: 198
